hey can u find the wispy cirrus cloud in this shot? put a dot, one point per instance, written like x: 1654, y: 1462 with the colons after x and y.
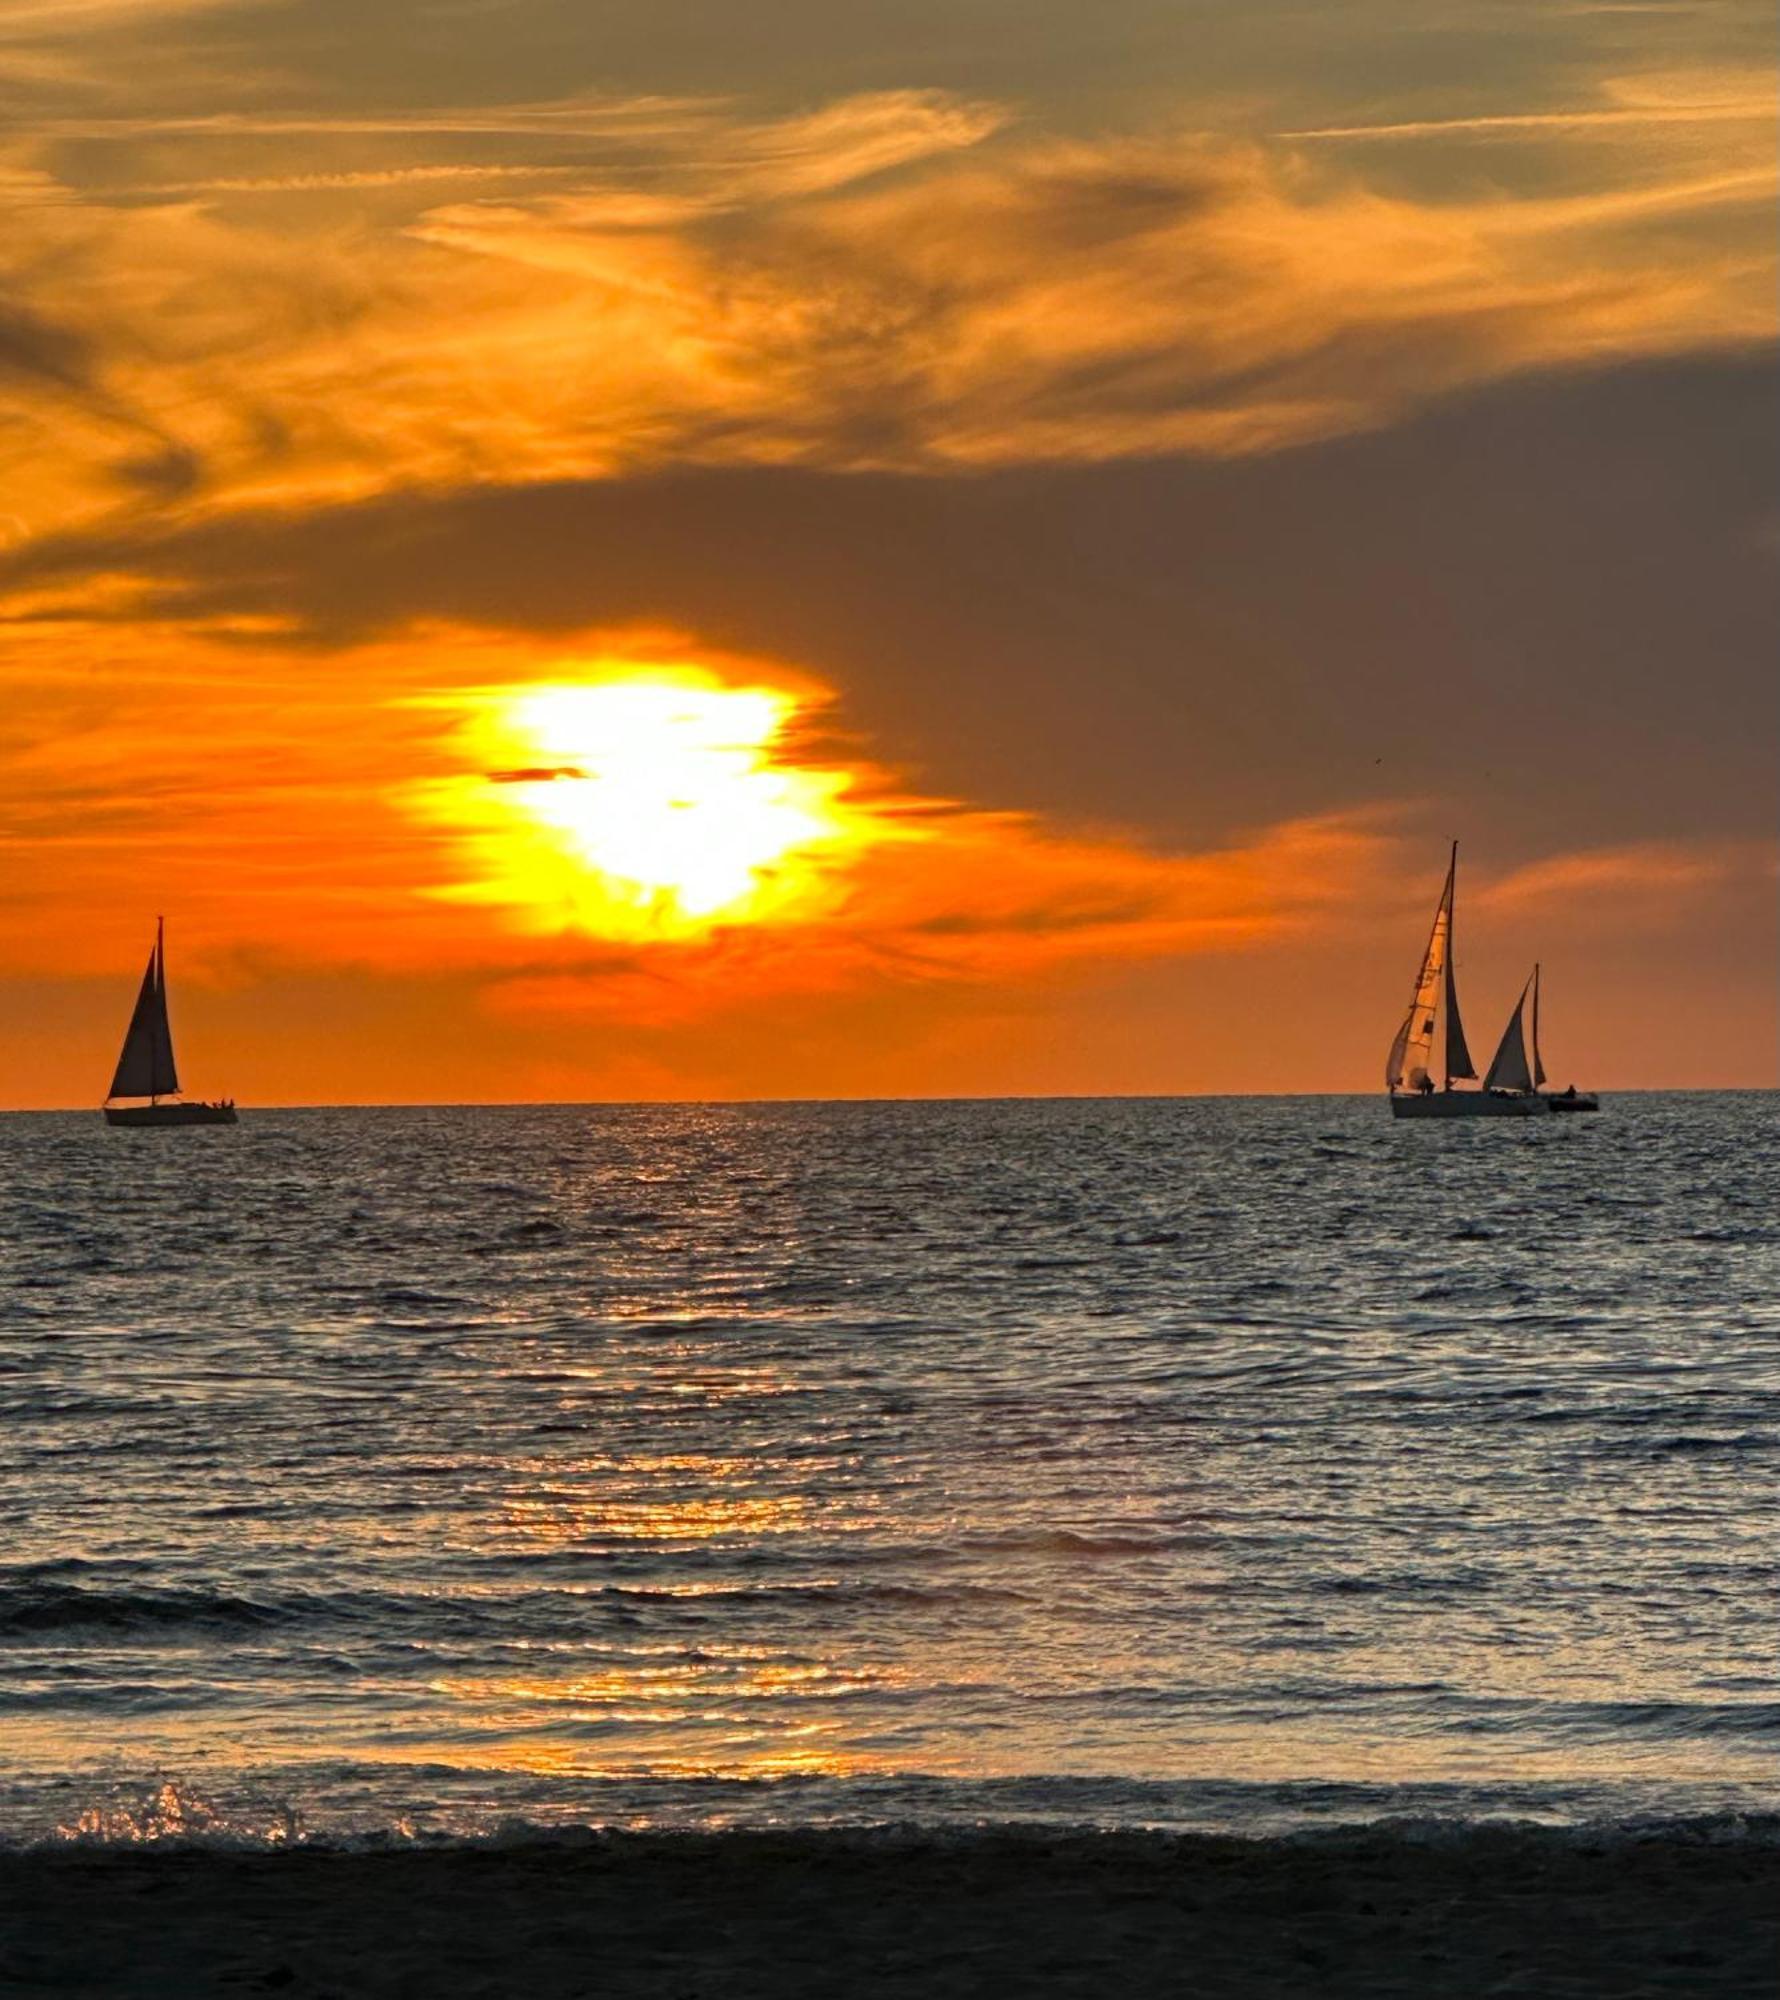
x: 1636, y: 882
x: 1623, y: 107
x: 329, y: 183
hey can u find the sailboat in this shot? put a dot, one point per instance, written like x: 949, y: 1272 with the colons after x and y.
x: 1511, y: 1084
x: 145, y: 1067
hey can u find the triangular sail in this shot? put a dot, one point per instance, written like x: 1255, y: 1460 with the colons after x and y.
x: 165, y: 1069
x: 1412, y: 1053
x: 1538, y: 1066
x: 145, y: 1066
x: 1458, y: 1056
x: 1510, y: 1069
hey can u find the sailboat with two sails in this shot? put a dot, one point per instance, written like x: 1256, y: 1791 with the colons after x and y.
x: 146, y: 1069
x: 1513, y: 1085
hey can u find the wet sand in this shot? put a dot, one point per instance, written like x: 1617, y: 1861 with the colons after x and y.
x: 755, y: 1916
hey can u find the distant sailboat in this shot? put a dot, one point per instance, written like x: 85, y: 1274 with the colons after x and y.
x: 145, y: 1067
x: 1511, y: 1084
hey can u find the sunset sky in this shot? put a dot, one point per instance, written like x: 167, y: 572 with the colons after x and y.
x: 651, y: 548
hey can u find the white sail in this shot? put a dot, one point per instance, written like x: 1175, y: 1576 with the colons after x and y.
x: 145, y: 1067
x: 1510, y: 1068
x: 1410, y: 1064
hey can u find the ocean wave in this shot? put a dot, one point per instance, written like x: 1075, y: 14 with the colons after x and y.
x: 852, y: 1590
x: 1619, y: 1722
x: 1676, y: 1719
x: 1429, y: 1584
x: 1076, y: 1542
x: 1100, y: 1816
x: 47, y: 1610
x: 44, y: 1606
x: 1660, y: 1442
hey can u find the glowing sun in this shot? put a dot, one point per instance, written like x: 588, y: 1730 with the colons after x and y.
x: 643, y: 801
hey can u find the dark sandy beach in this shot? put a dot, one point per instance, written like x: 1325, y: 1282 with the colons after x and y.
x: 735, y: 1916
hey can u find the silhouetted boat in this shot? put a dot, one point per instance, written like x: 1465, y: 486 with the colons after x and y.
x: 146, y: 1069
x: 1511, y: 1084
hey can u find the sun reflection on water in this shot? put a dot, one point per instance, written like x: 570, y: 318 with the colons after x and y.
x: 565, y: 1516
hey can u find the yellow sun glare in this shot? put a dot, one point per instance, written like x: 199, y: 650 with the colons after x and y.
x: 642, y: 802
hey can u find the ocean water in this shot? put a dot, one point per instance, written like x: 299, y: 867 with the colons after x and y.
x: 1242, y: 1464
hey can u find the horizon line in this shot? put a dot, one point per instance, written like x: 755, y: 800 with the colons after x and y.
x: 965, y: 1097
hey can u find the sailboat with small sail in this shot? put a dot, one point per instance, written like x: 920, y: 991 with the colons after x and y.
x: 1432, y: 1037
x: 145, y: 1066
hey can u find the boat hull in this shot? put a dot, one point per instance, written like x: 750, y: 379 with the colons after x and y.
x: 1468, y: 1104
x: 169, y: 1114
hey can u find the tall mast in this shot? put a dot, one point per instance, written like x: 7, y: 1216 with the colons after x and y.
x: 160, y: 994
x: 1452, y: 875
x: 1538, y: 1065
x: 166, y: 1070
x: 1457, y: 1057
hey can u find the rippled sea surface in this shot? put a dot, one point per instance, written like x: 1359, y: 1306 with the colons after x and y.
x: 1229, y: 1463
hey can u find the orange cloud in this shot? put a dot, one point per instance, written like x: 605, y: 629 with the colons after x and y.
x: 891, y: 281
x: 608, y: 855
x: 340, y: 813
x: 662, y: 840
x: 264, y: 798
x: 987, y: 899
x: 1642, y: 881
